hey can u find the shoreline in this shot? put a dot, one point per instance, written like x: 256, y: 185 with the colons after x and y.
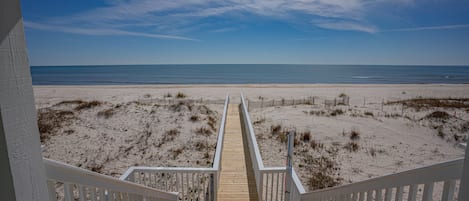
x: 246, y: 85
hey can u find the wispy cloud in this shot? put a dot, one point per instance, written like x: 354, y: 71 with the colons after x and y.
x: 227, y: 29
x: 346, y: 25
x: 172, y: 16
x: 308, y: 39
x: 99, y: 32
x: 443, y: 27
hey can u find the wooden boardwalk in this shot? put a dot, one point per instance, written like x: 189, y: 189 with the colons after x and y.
x: 237, y: 180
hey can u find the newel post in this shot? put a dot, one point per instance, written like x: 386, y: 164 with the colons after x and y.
x: 464, y: 188
x: 289, y: 176
x: 21, y: 166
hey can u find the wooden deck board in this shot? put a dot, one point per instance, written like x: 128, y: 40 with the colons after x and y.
x: 235, y: 184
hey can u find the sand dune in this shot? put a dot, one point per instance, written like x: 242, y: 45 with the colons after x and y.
x: 390, y: 139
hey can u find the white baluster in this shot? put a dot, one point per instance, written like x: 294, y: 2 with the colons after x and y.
x: 448, y: 190
x: 266, y: 186
x: 388, y: 194
x: 413, y: 192
x: 354, y: 196
x: 81, y: 193
x: 101, y: 195
x: 52, y: 190
x: 68, y: 192
x: 92, y: 193
x: 428, y: 192
x: 362, y: 196
x: 399, y: 192
x: 369, y: 196
x: 379, y: 194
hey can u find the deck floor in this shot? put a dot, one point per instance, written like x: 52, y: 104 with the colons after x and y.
x: 237, y: 180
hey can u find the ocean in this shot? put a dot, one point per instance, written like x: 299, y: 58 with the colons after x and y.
x: 247, y: 74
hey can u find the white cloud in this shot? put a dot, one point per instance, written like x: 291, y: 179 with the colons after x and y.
x: 99, y: 32
x: 209, y: 12
x: 443, y: 27
x: 227, y: 29
x: 346, y: 25
x: 168, y: 16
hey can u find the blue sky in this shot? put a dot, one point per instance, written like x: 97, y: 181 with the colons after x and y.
x: 87, y: 32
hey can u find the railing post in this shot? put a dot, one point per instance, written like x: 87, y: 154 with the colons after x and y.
x: 260, y: 187
x: 288, y: 178
x: 464, y: 188
x: 215, y: 187
x: 212, y: 185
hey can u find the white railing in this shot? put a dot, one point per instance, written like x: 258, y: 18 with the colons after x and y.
x: 438, y: 181
x: 273, y: 183
x: 69, y: 183
x: 297, y: 189
x: 191, y: 183
x: 270, y: 181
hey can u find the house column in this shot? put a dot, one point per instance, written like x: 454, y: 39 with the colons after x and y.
x: 21, y: 167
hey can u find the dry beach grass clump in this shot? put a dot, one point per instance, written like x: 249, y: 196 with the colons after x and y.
x: 110, y: 137
x: 341, y: 144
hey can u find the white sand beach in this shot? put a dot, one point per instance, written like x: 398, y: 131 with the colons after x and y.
x: 141, y: 125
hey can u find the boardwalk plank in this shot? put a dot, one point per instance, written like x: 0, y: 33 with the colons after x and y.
x: 235, y: 164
